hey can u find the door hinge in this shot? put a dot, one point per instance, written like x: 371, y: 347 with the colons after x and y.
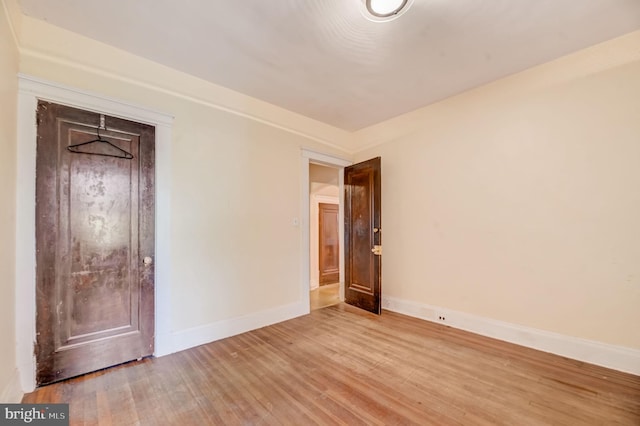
x: 42, y: 107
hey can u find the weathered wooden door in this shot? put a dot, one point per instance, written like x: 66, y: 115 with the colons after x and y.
x: 329, y: 247
x: 94, y: 241
x: 363, y: 241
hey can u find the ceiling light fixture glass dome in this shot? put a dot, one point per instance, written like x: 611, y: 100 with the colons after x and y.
x: 385, y: 10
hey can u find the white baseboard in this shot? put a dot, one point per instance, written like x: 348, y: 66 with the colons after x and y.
x: 201, y: 335
x: 610, y: 356
x: 313, y: 284
x: 12, y: 391
x: 163, y: 345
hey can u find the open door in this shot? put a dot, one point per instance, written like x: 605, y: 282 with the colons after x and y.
x: 362, y: 229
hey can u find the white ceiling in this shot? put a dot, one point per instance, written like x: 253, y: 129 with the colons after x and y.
x: 323, y: 59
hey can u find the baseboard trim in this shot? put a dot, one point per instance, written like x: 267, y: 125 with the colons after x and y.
x: 12, y: 391
x: 201, y: 335
x: 610, y: 356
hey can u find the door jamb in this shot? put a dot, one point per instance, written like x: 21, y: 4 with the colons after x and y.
x: 308, y: 157
x: 30, y: 90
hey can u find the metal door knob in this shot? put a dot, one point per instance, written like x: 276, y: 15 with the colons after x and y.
x: 147, y: 261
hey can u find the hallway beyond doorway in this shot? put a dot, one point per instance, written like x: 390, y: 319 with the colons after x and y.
x: 325, y: 295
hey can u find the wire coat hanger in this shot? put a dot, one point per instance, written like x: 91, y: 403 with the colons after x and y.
x: 121, y: 153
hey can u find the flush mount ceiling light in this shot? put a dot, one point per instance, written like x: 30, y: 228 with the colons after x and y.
x: 385, y: 10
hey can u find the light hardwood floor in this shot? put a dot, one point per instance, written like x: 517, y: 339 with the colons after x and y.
x: 340, y: 365
x: 324, y: 295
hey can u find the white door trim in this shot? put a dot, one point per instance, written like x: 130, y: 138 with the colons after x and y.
x: 308, y: 157
x: 30, y: 90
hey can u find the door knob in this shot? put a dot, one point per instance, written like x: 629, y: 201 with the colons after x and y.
x: 147, y: 261
x: 377, y: 250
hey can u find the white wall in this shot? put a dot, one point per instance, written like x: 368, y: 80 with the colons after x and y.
x: 520, y: 201
x: 236, y: 252
x: 517, y: 201
x: 9, y: 391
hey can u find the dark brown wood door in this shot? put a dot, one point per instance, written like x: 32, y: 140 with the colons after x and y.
x: 329, y: 250
x: 95, y: 243
x: 362, y: 229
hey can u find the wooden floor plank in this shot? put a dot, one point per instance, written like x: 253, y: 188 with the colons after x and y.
x: 340, y: 365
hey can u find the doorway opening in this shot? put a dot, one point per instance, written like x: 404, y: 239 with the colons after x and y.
x: 325, y: 245
x: 336, y: 167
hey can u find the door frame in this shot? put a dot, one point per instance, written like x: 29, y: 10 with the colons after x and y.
x: 30, y: 90
x: 308, y: 157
